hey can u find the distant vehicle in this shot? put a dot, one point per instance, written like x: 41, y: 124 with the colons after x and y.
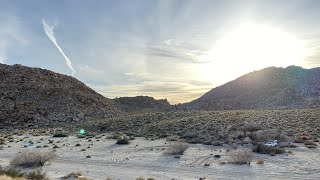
x: 273, y: 143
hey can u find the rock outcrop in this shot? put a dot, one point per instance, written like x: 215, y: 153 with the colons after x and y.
x: 34, y: 97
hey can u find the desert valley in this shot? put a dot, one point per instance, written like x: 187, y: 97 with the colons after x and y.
x: 262, y: 125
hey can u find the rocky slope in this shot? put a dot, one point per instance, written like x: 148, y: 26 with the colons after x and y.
x: 141, y: 103
x: 31, y: 97
x: 269, y: 88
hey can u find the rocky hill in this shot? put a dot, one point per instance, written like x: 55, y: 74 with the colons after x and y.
x: 141, y: 103
x: 269, y: 88
x: 31, y: 97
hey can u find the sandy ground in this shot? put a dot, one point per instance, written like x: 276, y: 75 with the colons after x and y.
x: 144, y: 158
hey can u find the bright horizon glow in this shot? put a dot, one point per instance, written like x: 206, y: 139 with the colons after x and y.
x: 252, y: 47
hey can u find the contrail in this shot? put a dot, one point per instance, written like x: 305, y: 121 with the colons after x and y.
x: 49, y: 31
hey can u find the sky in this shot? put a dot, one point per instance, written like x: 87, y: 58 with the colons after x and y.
x: 173, y: 49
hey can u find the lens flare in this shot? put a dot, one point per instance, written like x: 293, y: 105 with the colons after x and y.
x: 82, y: 131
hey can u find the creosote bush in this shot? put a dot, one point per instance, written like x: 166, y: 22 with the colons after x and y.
x: 33, y: 158
x: 263, y: 149
x: 240, y: 156
x: 123, y: 141
x: 60, y: 135
x: 177, y: 148
x: 310, y: 143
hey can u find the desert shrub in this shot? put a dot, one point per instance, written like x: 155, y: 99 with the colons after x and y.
x: 177, y: 148
x: 311, y: 146
x: 217, y: 143
x: 72, y: 175
x: 263, y: 149
x: 2, y: 141
x: 307, y: 143
x: 81, y: 136
x: 37, y: 175
x: 32, y: 158
x: 260, y: 161
x: 123, y: 141
x: 288, y: 146
x: 6, y: 177
x: 283, y: 138
x: 60, y: 135
x: 11, y: 173
x: 116, y: 136
x: 240, y: 157
x: 251, y: 128
x: 298, y: 141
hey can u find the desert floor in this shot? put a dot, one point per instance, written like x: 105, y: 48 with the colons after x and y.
x: 145, y: 158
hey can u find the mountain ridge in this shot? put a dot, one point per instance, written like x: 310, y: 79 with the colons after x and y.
x: 269, y: 88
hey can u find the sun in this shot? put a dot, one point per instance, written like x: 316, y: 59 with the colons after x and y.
x: 252, y: 47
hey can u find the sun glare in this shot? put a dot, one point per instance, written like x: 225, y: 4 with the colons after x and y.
x: 252, y: 47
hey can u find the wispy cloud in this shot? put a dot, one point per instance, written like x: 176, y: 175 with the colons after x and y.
x: 178, y: 51
x: 90, y: 70
x: 50, y: 33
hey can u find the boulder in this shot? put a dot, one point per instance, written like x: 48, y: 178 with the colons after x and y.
x: 247, y: 140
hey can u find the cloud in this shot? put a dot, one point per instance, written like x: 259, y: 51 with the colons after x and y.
x: 178, y: 51
x: 131, y: 74
x: 90, y: 69
x: 50, y: 33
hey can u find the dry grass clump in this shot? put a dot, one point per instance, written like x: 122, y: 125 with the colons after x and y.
x: 72, y: 175
x: 260, y: 161
x: 177, y: 148
x: 13, y: 174
x: 10, y: 173
x: 32, y: 158
x: 240, y: 157
x: 83, y: 178
x: 37, y: 175
x: 5, y: 177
